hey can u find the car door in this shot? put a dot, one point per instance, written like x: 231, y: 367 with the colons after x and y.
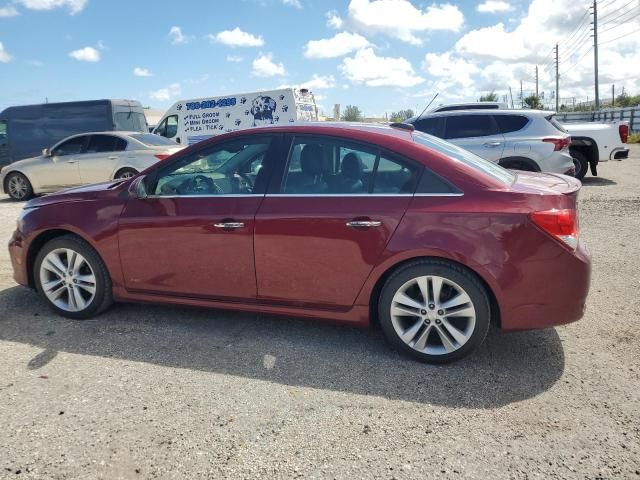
x: 475, y: 132
x: 192, y: 235
x: 327, y: 220
x: 168, y: 128
x: 103, y: 155
x: 62, y: 169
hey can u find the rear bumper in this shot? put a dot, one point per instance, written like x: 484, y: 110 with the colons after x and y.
x: 556, y: 292
x: 619, y: 154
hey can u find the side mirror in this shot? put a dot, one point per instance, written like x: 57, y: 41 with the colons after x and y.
x: 137, y: 189
x: 178, y: 140
x: 46, y: 152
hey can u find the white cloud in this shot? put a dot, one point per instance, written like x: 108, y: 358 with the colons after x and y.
x: 334, y: 20
x: 237, y: 38
x: 454, y: 70
x: 402, y: 20
x: 142, y: 72
x: 337, y: 46
x: 74, y: 6
x: 86, y: 54
x: 35, y: 63
x: 4, y: 55
x: 317, y: 82
x: 8, y: 11
x: 264, y: 66
x: 167, y: 93
x: 494, y: 6
x: 292, y: 3
x: 176, y: 36
x: 234, y: 58
x: 369, y: 69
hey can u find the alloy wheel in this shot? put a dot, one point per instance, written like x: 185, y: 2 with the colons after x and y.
x: 433, y: 315
x: 127, y: 174
x: 67, y: 280
x: 18, y: 187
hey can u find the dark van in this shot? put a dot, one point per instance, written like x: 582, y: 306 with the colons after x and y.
x: 26, y: 130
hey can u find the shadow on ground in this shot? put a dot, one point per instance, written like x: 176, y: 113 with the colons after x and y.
x: 597, y: 182
x: 508, y: 368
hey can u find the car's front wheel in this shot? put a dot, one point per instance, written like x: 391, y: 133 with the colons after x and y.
x: 72, y: 278
x: 434, y: 310
x: 126, y: 173
x: 18, y: 186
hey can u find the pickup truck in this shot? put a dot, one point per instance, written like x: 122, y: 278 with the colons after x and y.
x: 592, y: 143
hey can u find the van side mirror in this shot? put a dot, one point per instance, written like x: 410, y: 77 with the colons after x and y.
x: 137, y: 189
x: 178, y: 140
x: 46, y: 152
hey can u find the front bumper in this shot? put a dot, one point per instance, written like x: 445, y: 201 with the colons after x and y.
x: 18, y: 255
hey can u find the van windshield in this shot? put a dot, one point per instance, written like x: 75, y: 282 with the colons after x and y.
x: 130, y: 121
x: 452, y: 151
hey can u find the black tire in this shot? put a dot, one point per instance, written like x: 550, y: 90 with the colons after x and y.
x: 125, y: 173
x: 19, y: 194
x: 103, y: 297
x: 581, y: 163
x: 451, y: 272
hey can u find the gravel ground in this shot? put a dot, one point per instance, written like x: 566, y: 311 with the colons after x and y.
x: 156, y: 392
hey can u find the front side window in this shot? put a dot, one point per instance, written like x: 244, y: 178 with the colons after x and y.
x: 232, y: 168
x: 3, y: 129
x: 130, y: 121
x: 72, y: 146
x: 105, y: 143
x: 325, y: 166
x: 169, y: 127
x: 461, y: 155
x: 469, y: 126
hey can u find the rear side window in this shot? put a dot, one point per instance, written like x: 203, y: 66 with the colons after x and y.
x: 510, y: 123
x: 105, y: 143
x: 428, y: 125
x: 469, y: 126
x: 153, y: 140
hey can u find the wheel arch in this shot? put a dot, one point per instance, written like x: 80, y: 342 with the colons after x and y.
x: 380, y: 281
x: 504, y: 162
x: 586, y: 145
x: 40, y: 241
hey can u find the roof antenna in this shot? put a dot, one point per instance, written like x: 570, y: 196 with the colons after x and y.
x: 428, y: 105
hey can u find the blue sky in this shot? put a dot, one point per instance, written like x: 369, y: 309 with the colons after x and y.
x: 381, y: 55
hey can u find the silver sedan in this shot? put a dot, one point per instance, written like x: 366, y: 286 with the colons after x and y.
x: 85, y: 158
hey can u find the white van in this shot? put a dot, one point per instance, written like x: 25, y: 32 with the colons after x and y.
x: 191, y: 121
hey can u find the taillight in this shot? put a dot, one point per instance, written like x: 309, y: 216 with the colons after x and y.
x: 558, y: 143
x: 560, y: 224
x: 162, y: 156
x: 623, y: 130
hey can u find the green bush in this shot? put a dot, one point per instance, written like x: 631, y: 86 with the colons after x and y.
x: 634, y: 138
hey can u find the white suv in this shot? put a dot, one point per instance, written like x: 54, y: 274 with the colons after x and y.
x: 519, y: 139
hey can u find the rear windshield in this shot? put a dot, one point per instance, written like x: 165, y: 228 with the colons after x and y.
x: 494, y: 171
x: 552, y: 120
x: 152, y: 140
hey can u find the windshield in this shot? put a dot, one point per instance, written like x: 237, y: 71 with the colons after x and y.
x: 130, y: 122
x: 153, y: 140
x: 456, y: 153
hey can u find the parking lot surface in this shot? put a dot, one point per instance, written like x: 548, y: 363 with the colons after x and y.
x: 157, y: 392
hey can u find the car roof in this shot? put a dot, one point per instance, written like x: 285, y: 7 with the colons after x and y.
x: 473, y: 111
x: 341, y: 128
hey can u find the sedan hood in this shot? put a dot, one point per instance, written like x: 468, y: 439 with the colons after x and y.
x: 24, y: 163
x: 80, y: 194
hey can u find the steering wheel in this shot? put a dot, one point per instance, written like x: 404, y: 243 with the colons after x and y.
x: 198, y: 185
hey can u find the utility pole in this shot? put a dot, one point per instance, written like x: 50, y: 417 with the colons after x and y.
x: 537, y: 81
x: 557, y: 81
x: 595, y: 51
x: 613, y: 94
x: 511, y: 95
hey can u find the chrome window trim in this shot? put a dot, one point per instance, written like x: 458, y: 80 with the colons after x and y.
x: 312, y: 195
x: 439, y: 194
x: 230, y: 195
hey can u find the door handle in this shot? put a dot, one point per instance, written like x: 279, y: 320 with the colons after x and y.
x: 492, y: 144
x: 363, y: 223
x: 113, y: 157
x: 71, y: 161
x: 229, y: 225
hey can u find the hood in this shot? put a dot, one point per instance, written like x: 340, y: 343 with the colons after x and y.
x: 545, y: 183
x: 24, y: 163
x: 81, y: 194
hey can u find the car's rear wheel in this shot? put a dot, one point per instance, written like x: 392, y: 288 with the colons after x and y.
x: 72, y: 278
x: 18, y: 186
x: 126, y: 173
x: 434, y: 310
x: 518, y: 165
x: 581, y: 163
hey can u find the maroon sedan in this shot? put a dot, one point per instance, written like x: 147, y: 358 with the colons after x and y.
x: 348, y: 222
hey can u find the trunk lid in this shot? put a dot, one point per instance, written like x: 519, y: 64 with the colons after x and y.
x: 545, y: 183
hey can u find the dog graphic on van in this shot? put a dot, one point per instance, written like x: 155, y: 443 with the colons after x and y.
x: 262, y: 109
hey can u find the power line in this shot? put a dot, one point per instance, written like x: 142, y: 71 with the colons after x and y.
x: 621, y: 15
x: 630, y: 19
x: 618, y: 38
x: 578, y: 62
x: 617, y: 9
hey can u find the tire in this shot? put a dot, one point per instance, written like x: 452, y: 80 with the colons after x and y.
x: 581, y: 163
x: 432, y: 334
x: 125, y: 173
x: 81, y: 292
x: 18, y: 186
